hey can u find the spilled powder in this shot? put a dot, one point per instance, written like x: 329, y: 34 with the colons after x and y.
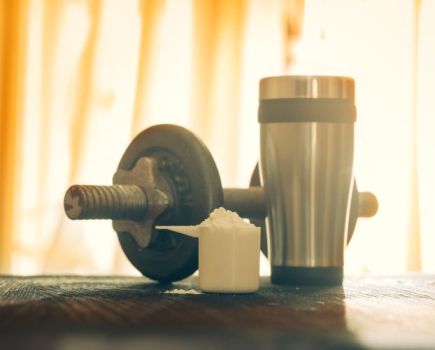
x: 222, y: 217
x: 182, y: 291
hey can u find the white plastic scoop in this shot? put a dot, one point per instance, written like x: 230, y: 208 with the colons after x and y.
x: 192, y: 231
x: 229, y: 252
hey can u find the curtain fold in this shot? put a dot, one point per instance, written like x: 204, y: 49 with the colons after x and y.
x: 13, y: 22
x: 149, y: 13
x: 218, y: 40
x: 85, y: 88
x: 414, y: 228
x: 79, y: 117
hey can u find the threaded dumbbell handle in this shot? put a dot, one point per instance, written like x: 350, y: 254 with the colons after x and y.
x: 117, y: 202
x: 251, y: 203
x: 247, y: 202
x: 129, y: 202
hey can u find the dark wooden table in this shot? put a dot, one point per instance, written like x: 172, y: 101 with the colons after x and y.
x: 72, y: 312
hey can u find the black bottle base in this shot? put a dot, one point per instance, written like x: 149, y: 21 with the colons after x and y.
x: 308, y: 276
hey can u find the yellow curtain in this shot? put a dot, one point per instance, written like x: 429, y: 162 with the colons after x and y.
x: 13, y: 23
x: 80, y: 78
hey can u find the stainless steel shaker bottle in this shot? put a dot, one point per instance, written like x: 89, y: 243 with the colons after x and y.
x: 307, y: 142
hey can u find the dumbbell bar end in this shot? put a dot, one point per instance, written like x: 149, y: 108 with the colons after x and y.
x: 117, y: 202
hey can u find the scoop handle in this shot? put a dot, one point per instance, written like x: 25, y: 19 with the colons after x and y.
x: 191, y: 231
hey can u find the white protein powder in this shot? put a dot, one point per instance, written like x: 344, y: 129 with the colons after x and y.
x: 229, y: 254
x: 222, y: 217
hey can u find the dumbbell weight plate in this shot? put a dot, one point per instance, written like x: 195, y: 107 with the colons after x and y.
x: 255, y: 181
x: 188, y: 167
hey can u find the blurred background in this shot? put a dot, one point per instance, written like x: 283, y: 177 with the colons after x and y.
x: 80, y: 78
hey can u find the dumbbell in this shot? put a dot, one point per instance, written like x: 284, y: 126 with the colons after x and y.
x: 167, y: 176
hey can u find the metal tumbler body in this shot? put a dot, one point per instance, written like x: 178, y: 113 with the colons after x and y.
x: 307, y: 139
